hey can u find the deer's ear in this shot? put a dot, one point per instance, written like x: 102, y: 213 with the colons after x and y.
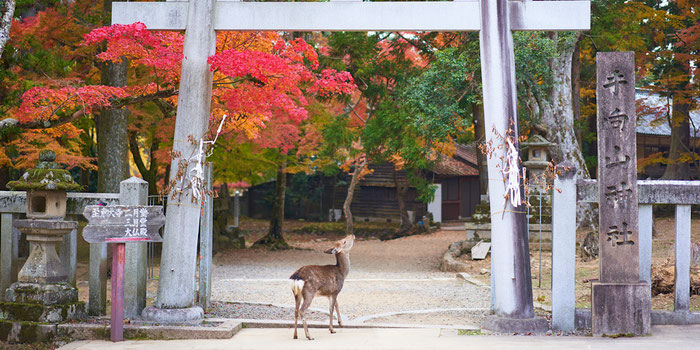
x: 330, y: 251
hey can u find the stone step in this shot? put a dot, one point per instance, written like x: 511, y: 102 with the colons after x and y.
x: 30, y: 312
x: 26, y: 332
x: 476, y: 232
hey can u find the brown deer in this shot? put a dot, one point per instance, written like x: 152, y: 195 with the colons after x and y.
x: 326, y: 280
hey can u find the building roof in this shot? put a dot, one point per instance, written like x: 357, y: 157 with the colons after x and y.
x: 651, y: 108
x: 449, y: 166
x: 467, y: 152
x: 462, y: 163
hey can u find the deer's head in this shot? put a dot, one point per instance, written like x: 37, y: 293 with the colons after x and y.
x: 343, y: 245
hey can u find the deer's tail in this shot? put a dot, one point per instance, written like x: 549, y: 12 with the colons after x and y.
x: 297, y: 283
x: 297, y: 286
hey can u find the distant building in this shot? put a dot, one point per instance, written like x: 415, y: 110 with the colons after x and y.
x: 458, y: 177
x: 375, y: 195
x: 654, y: 132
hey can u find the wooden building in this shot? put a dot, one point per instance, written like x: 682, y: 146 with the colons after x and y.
x: 654, y: 133
x: 459, y: 179
x: 375, y: 195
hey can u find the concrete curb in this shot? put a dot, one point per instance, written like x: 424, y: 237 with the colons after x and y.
x: 250, y: 323
x: 467, y: 277
x: 90, y: 331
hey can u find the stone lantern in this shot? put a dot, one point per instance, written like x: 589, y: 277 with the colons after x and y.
x: 540, y: 200
x: 537, y: 155
x: 41, y: 289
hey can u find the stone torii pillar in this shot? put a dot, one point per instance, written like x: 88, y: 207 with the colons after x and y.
x: 511, y: 286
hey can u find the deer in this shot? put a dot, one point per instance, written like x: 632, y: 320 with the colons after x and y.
x: 326, y: 280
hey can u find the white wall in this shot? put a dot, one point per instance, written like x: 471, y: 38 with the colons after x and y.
x: 435, y: 206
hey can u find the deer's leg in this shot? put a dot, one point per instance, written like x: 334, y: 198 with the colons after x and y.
x: 337, y: 311
x: 308, y: 297
x: 331, y: 302
x: 297, y: 300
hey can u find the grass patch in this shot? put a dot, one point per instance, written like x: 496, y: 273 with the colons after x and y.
x: 619, y: 335
x: 469, y: 332
x: 364, y: 229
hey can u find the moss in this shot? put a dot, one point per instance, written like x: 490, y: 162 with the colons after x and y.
x: 140, y: 334
x: 20, y: 311
x: 28, y: 333
x: 469, y: 332
x: 5, y: 328
x: 28, y: 289
x: 45, y: 179
x: 619, y: 335
x: 102, y: 333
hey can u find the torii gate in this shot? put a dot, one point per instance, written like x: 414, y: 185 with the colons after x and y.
x: 511, y: 293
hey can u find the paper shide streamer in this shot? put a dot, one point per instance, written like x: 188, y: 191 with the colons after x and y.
x: 196, y: 174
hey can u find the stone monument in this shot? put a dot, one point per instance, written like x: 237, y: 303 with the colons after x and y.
x: 620, y: 300
x: 42, y: 294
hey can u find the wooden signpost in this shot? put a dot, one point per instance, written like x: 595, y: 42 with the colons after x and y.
x: 120, y: 224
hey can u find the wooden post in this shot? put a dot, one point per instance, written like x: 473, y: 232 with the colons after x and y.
x: 117, y: 309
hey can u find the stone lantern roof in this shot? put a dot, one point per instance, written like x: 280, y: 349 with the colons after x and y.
x: 536, y: 141
x: 45, y: 177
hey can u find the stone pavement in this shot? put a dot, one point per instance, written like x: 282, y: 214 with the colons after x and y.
x: 663, y: 338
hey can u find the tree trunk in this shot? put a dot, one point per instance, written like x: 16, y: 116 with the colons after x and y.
x: 349, y: 225
x: 480, y: 136
x: 679, y: 169
x: 112, y: 144
x: 401, y: 192
x: 149, y: 174
x: 274, y: 239
x: 8, y: 12
x: 576, y: 89
x: 556, y: 113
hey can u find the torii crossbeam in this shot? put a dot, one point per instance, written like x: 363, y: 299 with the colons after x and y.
x: 511, y: 288
x: 357, y: 15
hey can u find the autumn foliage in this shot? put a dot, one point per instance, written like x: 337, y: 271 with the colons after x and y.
x: 262, y: 83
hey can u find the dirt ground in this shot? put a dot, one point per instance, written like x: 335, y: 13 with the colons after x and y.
x: 410, y: 256
x: 662, y: 251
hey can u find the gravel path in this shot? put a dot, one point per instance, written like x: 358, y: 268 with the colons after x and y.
x: 387, y: 280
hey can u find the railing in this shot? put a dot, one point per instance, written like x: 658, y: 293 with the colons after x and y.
x: 150, y: 258
x: 568, y: 192
x: 13, y: 203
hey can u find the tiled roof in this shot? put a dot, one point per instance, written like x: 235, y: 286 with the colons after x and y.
x: 648, y: 123
x: 450, y: 166
x: 467, y: 152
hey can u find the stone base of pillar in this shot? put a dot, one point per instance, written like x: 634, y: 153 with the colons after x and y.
x: 38, y: 293
x: 620, y: 309
x: 534, y: 325
x: 190, y: 315
x: 50, y: 303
